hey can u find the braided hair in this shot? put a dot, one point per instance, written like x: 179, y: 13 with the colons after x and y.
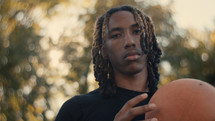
x: 103, y: 70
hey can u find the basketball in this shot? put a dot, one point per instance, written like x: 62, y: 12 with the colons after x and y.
x: 184, y: 100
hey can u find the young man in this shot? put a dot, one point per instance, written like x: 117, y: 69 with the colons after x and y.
x: 125, y: 58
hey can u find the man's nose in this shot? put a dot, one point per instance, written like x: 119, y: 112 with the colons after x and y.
x: 129, y: 41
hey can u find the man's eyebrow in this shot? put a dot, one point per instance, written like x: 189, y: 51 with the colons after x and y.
x: 115, y: 29
x: 120, y: 29
x: 134, y: 25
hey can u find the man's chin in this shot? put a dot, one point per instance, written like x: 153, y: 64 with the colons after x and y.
x: 133, y: 71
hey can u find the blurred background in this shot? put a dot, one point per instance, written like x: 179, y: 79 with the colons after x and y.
x: 45, y: 49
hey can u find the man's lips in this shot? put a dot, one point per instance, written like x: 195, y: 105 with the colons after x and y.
x: 132, y: 55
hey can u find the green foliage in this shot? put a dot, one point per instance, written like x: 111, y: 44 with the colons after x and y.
x: 28, y: 85
x: 20, y: 85
x: 192, y: 57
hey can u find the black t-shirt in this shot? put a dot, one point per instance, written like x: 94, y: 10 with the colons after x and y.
x: 93, y: 107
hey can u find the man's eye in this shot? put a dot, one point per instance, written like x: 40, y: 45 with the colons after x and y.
x: 115, y: 36
x: 137, y: 31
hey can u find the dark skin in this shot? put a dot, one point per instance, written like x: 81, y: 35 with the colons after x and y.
x: 122, y: 47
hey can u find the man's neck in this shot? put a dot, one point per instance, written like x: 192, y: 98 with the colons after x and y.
x: 136, y: 82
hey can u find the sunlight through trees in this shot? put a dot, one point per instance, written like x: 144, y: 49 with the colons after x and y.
x: 45, y: 52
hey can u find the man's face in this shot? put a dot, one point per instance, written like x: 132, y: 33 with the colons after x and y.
x: 122, y: 44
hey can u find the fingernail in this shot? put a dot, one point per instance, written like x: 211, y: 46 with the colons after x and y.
x: 154, y: 119
x: 144, y: 95
x: 152, y: 105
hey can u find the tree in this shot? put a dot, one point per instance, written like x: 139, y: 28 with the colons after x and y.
x: 22, y: 89
x: 193, y: 56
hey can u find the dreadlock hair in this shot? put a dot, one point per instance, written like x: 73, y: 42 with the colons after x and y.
x: 103, y: 70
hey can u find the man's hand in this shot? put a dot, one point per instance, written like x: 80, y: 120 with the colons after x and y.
x: 129, y: 112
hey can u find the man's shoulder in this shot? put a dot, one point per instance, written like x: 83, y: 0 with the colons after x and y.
x: 84, y: 98
x: 72, y: 109
x: 91, y: 93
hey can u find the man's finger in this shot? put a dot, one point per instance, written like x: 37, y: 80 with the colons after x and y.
x: 141, y: 109
x: 152, y: 119
x: 134, y: 101
x: 125, y: 111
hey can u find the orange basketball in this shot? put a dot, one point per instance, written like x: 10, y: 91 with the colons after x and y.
x: 184, y: 100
